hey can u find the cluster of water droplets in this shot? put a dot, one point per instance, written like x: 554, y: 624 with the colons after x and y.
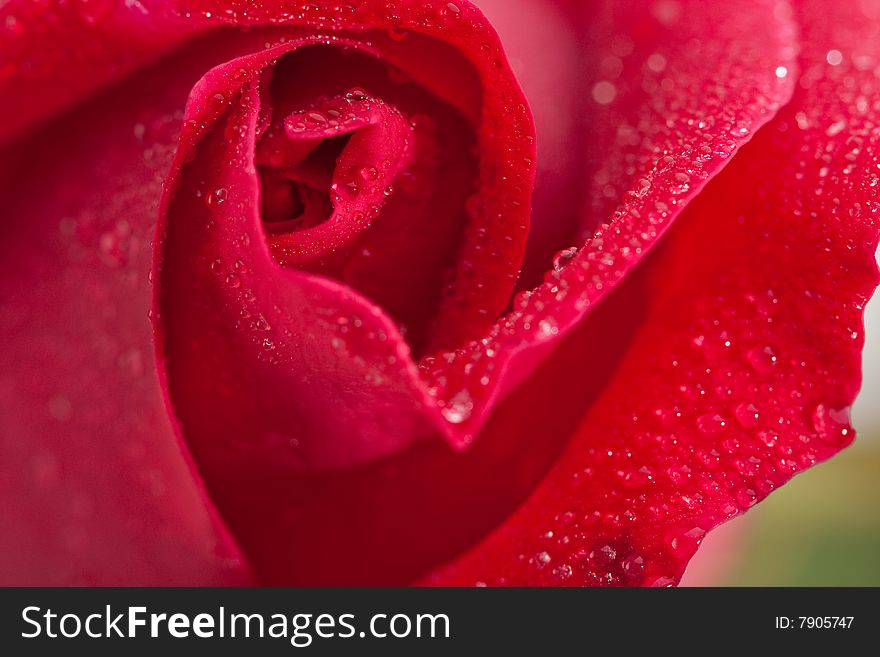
x: 658, y: 157
x: 333, y: 15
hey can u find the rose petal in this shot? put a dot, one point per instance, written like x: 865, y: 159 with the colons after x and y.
x: 402, y: 200
x: 54, y: 54
x: 550, y: 54
x: 475, y: 78
x: 743, y: 368
x: 95, y: 489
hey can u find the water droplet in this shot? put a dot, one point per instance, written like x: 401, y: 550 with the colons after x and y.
x: 711, y: 423
x: 541, y: 559
x: 685, y: 543
x: 661, y: 582
x: 746, y: 415
x: 834, y: 129
x: 612, y: 562
x: 217, y: 197
x: 459, y: 408
x: 834, y: 57
x: 667, y: 12
x: 368, y: 173
x: 633, y: 566
x: 317, y: 119
x: 563, y: 257
x: 656, y: 62
x: 604, y: 92
x: 547, y: 328
x: 682, y: 182
x: 356, y: 94
x: 768, y: 438
x: 831, y: 424
x: 746, y: 498
x: 562, y: 572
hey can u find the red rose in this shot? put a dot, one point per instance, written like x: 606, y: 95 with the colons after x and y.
x: 322, y: 366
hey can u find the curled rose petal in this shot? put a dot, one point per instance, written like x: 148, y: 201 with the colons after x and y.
x: 742, y: 370
x: 310, y: 175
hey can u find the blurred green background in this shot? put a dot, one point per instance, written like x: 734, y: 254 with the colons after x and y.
x: 821, y: 529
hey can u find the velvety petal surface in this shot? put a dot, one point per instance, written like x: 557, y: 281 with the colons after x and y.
x: 53, y: 54
x: 95, y: 488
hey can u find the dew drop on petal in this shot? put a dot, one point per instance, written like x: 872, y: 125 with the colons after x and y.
x: 711, y: 423
x: 604, y: 92
x: 832, y: 425
x: 746, y: 498
x: 747, y: 415
x: 458, y: 408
